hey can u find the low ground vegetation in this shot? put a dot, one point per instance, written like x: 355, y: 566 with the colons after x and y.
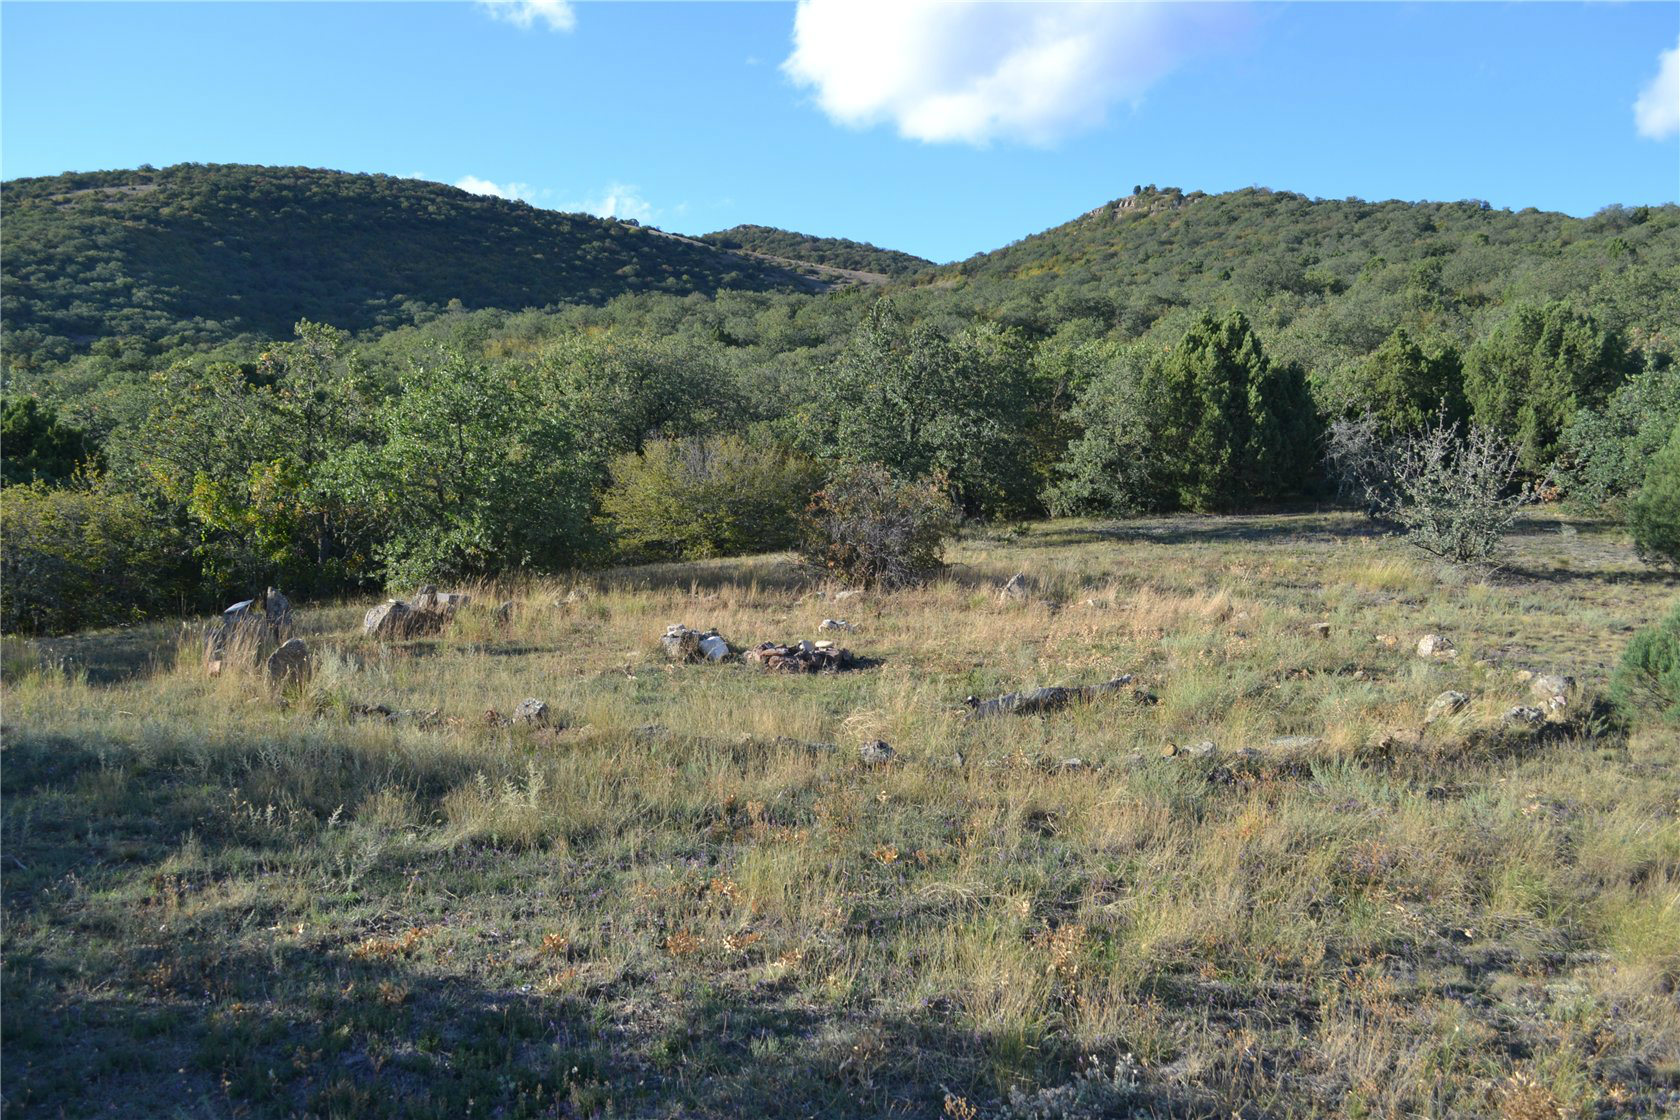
x: 681, y: 889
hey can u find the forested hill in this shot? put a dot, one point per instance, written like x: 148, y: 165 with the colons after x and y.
x: 835, y: 252
x: 208, y: 252
x: 1355, y: 268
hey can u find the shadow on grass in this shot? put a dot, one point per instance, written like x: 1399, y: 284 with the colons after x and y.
x: 121, y: 993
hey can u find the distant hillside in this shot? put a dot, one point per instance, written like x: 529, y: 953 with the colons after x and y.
x: 1348, y: 271
x: 835, y: 252
x: 206, y: 252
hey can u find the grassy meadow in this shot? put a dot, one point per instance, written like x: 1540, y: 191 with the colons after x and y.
x: 694, y: 899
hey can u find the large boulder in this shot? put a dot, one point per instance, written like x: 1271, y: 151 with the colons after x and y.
x: 1552, y: 690
x: 534, y: 712
x: 876, y: 753
x: 278, y: 608
x: 1446, y: 704
x: 389, y: 619
x: 1436, y: 647
x: 240, y: 631
x: 289, y: 665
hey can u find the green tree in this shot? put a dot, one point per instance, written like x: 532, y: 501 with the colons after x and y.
x: 1228, y: 425
x: 1529, y: 377
x: 1404, y: 386
x: 1114, y: 465
x: 1654, y: 513
x: 921, y: 402
x: 37, y: 445
x: 242, y: 452
x: 1605, y: 452
x: 626, y: 389
x: 473, y: 474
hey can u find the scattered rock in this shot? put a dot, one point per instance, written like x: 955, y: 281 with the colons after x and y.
x: 573, y: 597
x: 876, y: 753
x: 494, y: 719
x: 1388, y: 640
x: 1436, y: 647
x: 1016, y: 588
x: 427, y: 613
x: 1038, y: 700
x: 1073, y: 765
x: 1446, y: 704
x: 532, y: 711
x: 1524, y: 676
x: 1523, y: 714
x: 1399, y: 737
x: 651, y: 732
x: 1552, y: 690
x: 1321, y: 630
x: 802, y: 657
x: 1169, y: 751
x: 504, y: 613
x: 289, y: 664
x: 424, y: 720
x: 1207, y: 748
x: 1294, y: 742
x: 685, y: 644
x: 848, y: 593
x: 836, y: 624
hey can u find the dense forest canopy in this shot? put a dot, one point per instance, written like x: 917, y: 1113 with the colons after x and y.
x: 243, y: 374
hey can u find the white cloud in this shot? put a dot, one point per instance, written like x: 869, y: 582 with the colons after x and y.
x: 619, y: 200
x: 472, y: 184
x: 973, y: 72
x: 1657, y: 112
x: 526, y: 14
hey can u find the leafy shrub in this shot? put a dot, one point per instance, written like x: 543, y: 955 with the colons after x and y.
x: 695, y: 498
x: 1455, y: 495
x: 1654, y: 513
x: 1648, y: 677
x: 79, y: 558
x: 870, y: 528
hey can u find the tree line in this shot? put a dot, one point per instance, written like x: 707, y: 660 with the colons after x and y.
x: 487, y: 444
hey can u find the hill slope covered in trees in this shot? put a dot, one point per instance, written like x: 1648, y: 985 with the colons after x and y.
x: 1347, y: 271
x: 836, y: 252
x: 202, y: 253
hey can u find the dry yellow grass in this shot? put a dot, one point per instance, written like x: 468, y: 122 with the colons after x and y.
x: 682, y: 902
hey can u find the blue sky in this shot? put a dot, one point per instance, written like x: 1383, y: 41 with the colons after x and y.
x: 943, y: 130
